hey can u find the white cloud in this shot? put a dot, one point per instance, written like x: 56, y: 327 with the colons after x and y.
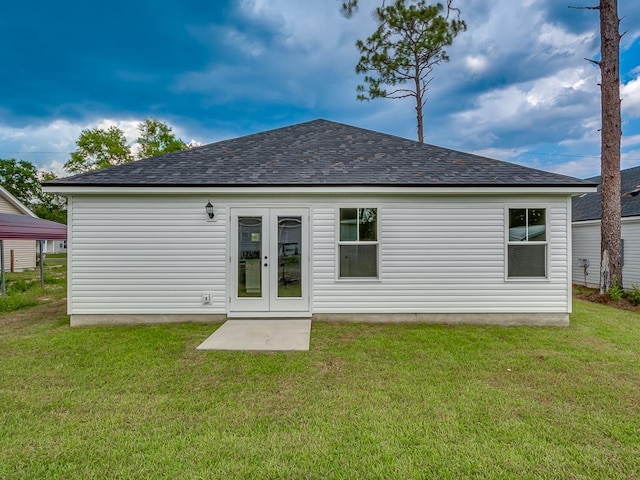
x: 495, y: 28
x: 251, y: 46
x: 630, y: 93
x: 589, y: 166
x: 476, y: 63
x: 315, y: 27
x: 56, y: 167
x: 45, y: 145
x: 499, y: 153
x: 630, y: 159
x: 562, y: 42
x: 630, y: 141
x: 129, y: 127
x: 523, y: 104
x: 583, y: 168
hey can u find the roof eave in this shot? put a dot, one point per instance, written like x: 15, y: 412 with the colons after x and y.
x: 329, y: 189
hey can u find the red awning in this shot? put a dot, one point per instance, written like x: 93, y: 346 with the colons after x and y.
x: 23, y: 227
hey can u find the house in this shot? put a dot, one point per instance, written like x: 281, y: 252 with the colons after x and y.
x: 320, y: 220
x: 19, y: 255
x: 26, y: 227
x: 55, y: 246
x: 586, y: 232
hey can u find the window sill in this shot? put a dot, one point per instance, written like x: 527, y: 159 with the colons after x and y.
x: 359, y: 280
x: 527, y: 279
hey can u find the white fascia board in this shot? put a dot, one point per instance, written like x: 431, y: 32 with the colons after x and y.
x: 316, y: 190
x: 585, y: 222
x: 597, y: 221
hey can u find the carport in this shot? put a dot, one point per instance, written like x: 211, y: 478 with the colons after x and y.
x: 22, y: 227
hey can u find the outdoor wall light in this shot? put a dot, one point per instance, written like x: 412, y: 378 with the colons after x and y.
x: 209, y: 208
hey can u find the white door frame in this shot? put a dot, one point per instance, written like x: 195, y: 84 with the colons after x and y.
x: 269, y: 304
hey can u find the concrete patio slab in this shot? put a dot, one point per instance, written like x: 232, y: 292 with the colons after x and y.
x: 260, y: 335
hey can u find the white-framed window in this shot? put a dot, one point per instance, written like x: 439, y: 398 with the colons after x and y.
x: 527, y: 243
x: 358, y: 243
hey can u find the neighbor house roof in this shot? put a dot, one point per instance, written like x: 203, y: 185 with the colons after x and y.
x: 319, y: 153
x: 23, y: 227
x: 588, y: 206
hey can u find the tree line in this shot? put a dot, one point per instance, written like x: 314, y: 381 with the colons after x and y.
x: 96, y: 149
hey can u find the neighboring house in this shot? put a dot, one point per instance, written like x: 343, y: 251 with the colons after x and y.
x: 586, y: 232
x: 19, y: 255
x: 324, y: 220
x: 55, y: 246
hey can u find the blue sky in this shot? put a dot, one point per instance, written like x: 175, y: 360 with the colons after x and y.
x: 517, y: 87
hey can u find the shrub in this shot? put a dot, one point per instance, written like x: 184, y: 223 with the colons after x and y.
x: 633, y: 295
x: 615, y: 291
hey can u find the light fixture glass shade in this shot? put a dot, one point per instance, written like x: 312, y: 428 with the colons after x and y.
x: 209, y: 208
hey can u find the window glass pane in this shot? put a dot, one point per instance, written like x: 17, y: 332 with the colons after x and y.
x: 348, y: 224
x: 368, y: 224
x: 358, y: 261
x: 527, y: 260
x: 517, y: 224
x: 537, y: 225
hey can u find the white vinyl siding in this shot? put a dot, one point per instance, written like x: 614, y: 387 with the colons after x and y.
x: 8, y: 207
x: 442, y: 255
x: 24, y: 251
x: 151, y: 255
x: 586, y: 244
x: 143, y: 254
x: 24, y: 255
x: 631, y: 268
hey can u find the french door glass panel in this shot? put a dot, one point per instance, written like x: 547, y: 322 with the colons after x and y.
x: 249, y: 257
x: 289, y: 256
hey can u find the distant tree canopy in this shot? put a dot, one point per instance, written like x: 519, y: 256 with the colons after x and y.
x: 50, y: 206
x: 99, y: 148
x: 157, y: 138
x: 22, y: 179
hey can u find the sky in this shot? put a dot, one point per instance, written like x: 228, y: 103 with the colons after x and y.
x: 517, y: 86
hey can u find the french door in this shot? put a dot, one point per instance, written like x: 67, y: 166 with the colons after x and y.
x: 269, y: 260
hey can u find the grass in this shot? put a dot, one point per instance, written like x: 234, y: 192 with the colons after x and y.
x: 23, y: 289
x: 367, y: 402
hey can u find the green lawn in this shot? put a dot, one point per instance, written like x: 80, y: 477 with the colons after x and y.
x: 368, y: 401
x: 23, y: 288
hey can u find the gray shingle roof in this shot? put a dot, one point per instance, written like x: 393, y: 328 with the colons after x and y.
x: 588, y: 207
x: 319, y: 152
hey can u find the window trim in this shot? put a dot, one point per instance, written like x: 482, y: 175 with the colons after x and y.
x: 339, y: 242
x: 546, y: 243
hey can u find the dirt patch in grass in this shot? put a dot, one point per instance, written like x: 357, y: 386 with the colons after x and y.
x: 40, y: 313
x: 593, y: 295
